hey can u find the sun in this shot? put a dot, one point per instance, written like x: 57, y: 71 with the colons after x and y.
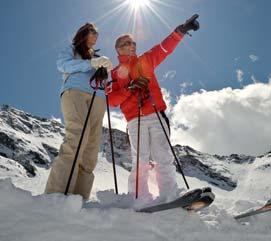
x: 138, y: 16
x: 137, y: 4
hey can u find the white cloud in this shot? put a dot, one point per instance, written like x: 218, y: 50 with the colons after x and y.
x: 269, y: 78
x: 254, y: 79
x: 185, y: 85
x: 169, y: 74
x: 253, y: 58
x: 239, y: 75
x: 225, y: 121
x: 117, y: 120
x: 168, y: 99
x: 202, y: 84
x: 236, y: 59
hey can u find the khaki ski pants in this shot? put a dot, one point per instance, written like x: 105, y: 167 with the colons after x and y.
x: 75, y: 105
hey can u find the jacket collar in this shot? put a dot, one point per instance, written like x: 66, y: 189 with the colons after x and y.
x: 127, y: 58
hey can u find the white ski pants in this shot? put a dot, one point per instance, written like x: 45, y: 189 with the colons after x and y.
x: 153, y: 146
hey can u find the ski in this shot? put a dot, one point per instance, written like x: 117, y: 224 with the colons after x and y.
x: 193, y: 200
x: 263, y: 209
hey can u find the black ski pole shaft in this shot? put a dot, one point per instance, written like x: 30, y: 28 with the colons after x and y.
x: 138, y: 145
x: 112, y: 147
x: 79, y: 145
x: 173, y: 152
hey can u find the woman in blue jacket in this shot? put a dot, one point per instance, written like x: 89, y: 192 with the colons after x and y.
x: 78, y: 62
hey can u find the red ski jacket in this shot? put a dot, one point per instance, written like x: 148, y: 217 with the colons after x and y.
x: 130, y: 68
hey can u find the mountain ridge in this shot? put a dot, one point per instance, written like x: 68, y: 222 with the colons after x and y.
x: 32, y: 142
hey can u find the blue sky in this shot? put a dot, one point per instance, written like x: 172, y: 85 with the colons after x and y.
x: 33, y: 32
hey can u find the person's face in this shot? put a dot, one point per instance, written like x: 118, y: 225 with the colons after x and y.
x: 127, y: 46
x: 92, y: 38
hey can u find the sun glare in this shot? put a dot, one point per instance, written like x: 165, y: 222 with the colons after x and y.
x: 137, y: 4
x: 138, y: 16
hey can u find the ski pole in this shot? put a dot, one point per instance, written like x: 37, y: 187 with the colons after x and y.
x: 173, y: 152
x: 138, y: 142
x: 111, y: 144
x: 103, y: 75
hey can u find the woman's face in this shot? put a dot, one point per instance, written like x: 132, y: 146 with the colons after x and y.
x: 91, y: 39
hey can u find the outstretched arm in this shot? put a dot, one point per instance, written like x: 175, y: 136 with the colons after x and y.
x: 159, y: 52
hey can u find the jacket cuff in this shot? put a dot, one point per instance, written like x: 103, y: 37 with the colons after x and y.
x: 177, y: 35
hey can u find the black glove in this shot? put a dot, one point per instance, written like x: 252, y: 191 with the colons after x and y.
x: 101, y: 73
x: 190, y: 24
x: 140, y: 83
x: 98, y: 80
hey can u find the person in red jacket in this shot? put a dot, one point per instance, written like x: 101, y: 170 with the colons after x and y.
x: 134, y: 81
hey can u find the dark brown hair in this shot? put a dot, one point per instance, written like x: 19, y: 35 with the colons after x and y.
x: 79, y: 40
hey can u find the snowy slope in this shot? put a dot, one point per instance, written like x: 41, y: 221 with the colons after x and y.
x: 240, y: 182
x: 56, y: 217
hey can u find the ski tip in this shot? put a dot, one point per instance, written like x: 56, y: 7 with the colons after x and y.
x: 208, y: 196
x: 206, y: 189
x: 206, y: 199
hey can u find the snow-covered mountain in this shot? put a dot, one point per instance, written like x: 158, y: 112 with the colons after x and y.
x: 28, y: 145
x: 29, y: 142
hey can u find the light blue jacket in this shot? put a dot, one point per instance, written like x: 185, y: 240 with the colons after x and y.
x: 76, y: 72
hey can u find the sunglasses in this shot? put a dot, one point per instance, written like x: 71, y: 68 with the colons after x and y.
x: 93, y: 31
x: 127, y: 43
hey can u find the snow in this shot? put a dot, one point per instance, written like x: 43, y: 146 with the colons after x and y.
x: 28, y: 214
x: 11, y: 168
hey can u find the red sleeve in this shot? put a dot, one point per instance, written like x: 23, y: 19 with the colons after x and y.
x: 117, y: 94
x: 159, y: 52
